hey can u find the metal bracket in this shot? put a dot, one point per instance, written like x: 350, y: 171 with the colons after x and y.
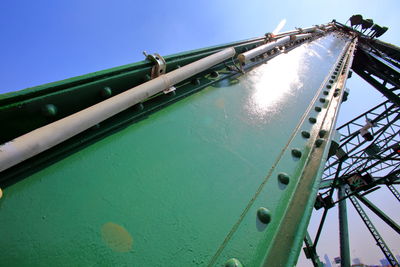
x: 159, y: 68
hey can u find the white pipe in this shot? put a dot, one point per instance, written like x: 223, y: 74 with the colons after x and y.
x: 310, y: 29
x: 41, y: 139
x: 305, y: 30
x: 302, y: 36
x: 283, y: 34
x: 246, y: 56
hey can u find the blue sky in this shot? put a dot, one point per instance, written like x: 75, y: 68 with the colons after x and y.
x: 44, y: 41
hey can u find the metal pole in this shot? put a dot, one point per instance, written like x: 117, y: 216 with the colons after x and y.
x: 343, y: 230
x: 394, y: 191
x: 378, y: 86
x: 379, y: 213
x: 321, y: 224
x: 378, y: 238
x: 312, y: 253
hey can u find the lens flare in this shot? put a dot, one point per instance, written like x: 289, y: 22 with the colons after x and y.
x: 279, y: 27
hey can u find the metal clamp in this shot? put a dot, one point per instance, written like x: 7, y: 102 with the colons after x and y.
x: 159, y: 68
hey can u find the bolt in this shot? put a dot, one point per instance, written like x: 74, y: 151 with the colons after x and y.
x: 329, y: 86
x: 318, y: 109
x: 322, y: 133
x: 322, y: 100
x: 330, y: 81
x: 196, y: 81
x: 233, y: 263
x: 139, y: 106
x: 106, y: 92
x: 283, y: 178
x: 49, y: 110
x: 312, y: 120
x: 319, y: 142
x: 333, y: 76
x: 305, y: 134
x: 296, y: 153
x: 214, y: 74
x: 264, y: 215
x: 325, y: 93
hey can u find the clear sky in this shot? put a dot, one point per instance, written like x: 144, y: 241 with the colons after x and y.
x: 46, y: 40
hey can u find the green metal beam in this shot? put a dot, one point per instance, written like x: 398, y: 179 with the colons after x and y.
x: 380, y: 87
x: 343, y: 230
x: 310, y: 251
x: 379, y: 213
x: 394, y: 191
x: 223, y: 176
x: 29, y: 107
x: 374, y: 232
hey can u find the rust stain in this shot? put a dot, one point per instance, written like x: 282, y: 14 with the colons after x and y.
x: 116, y: 237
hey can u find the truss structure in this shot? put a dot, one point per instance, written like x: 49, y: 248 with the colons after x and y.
x: 367, y: 152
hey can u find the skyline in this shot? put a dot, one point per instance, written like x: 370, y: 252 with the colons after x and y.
x: 328, y: 261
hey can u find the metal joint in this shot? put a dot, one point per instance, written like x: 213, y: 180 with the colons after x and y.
x: 159, y: 68
x: 160, y: 65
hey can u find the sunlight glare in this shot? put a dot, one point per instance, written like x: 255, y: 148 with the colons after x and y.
x: 275, y: 82
x: 279, y: 27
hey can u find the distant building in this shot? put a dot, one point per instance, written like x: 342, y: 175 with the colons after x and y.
x: 384, y: 262
x: 327, y: 261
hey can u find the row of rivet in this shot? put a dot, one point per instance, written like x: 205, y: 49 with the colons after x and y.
x: 322, y: 133
x: 264, y: 214
x: 313, y: 120
x: 51, y: 110
x: 296, y: 152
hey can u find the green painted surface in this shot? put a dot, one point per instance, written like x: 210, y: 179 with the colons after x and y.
x: 168, y: 191
x: 26, y: 106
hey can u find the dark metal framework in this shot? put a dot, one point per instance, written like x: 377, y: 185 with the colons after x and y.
x: 359, y: 155
x: 360, y: 165
x: 374, y: 232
